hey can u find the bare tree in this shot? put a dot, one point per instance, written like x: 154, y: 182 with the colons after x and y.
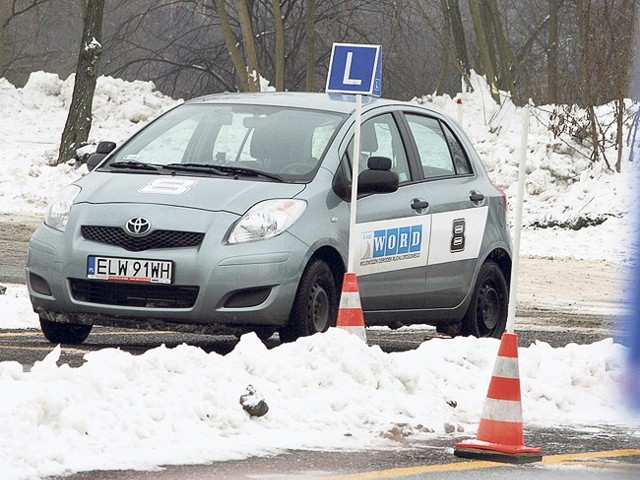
x: 78, y: 124
x: 8, y: 15
x: 309, y: 40
x: 552, y: 52
x: 482, y: 31
x: 453, y: 19
x: 279, y: 44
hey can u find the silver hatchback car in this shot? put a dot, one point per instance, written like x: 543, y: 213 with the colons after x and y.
x: 230, y: 213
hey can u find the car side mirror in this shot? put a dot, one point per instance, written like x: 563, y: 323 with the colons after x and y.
x: 103, y: 149
x: 378, y: 177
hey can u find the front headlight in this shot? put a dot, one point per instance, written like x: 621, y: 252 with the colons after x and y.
x: 267, y: 219
x: 58, y: 212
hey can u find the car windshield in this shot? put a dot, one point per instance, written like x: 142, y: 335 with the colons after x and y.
x: 285, y: 143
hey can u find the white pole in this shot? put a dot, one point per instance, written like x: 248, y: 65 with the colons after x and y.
x: 355, y: 166
x: 517, y: 227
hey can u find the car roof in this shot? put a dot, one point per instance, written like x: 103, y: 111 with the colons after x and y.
x: 317, y: 101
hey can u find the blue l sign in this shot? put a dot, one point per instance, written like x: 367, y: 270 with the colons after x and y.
x: 355, y: 69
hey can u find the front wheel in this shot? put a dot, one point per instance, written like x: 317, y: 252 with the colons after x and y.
x: 487, y: 312
x: 67, y: 333
x: 315, y: 307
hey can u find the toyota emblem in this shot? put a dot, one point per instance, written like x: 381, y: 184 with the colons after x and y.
x: 138, y: 226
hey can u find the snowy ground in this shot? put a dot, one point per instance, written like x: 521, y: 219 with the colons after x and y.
x: 325, y: 392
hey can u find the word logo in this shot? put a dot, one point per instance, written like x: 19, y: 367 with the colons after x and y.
x: 392, y: 244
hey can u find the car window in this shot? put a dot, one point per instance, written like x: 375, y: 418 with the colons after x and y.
x: 168, y: 147
x: 380, y: 137
x: 285, y: 141
x: 460, y: 160
x: 432, y: 145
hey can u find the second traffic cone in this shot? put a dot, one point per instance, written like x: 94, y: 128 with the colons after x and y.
x: 500, y: 434
x: 350, y: 315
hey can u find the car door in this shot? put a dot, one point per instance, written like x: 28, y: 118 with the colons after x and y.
x: 392, y: 229
x: 457, y: 205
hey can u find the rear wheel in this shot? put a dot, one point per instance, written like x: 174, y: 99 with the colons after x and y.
x: 487, y: 312
x: 316, y: 304
x: 68, y: 333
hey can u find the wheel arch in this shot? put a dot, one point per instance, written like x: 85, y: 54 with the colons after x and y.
x: 331, y: 257
x: 503, y: 259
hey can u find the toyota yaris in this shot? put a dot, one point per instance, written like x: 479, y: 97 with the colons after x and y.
x: 230, y: 213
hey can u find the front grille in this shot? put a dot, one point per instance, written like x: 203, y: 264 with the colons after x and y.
x: 133, y: 294
x: 156, y: 239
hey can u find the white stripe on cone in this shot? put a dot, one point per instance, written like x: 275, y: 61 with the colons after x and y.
x: 502, y: 410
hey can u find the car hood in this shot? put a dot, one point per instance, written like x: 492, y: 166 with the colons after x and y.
x: 203, y: 193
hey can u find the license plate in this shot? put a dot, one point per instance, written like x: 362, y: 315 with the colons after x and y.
x: 129, y: 269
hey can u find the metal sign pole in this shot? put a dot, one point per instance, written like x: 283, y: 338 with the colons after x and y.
x: 355, y: 168
x: 511, y: 317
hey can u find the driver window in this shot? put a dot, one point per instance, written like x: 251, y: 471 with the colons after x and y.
x: 379, y: 137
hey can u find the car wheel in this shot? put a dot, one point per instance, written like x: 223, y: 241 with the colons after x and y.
x: 69, y: 333
x: 487, y: 312
x: 316, y: 304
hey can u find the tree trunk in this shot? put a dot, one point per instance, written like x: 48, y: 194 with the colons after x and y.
x: 619, y: 126
x: 586, y: 93
x: 451, y: 12
x: 78, y: 125
x: 442, y: 74
x: 509, y: 67
x: 552, y: 53
x: 230, y: 42
x: 249, y: 44
x: 279, y: 31
x: 484, y: 50
x: 309, y: 42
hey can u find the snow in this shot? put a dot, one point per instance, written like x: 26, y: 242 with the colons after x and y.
x: 329, y: 391
x: 124, y: 411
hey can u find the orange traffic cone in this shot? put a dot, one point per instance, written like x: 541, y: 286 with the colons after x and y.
x: 500, y: 436
x: 350, y: 311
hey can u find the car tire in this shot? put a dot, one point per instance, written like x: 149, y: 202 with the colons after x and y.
x: 486, y: 315
x: 316, y: 304
x: 67, y: 333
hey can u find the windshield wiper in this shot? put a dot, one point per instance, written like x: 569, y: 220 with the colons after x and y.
x: 250, y: 171
x: 133, y: 165
x: 222, y: 170
x: 195, y: 167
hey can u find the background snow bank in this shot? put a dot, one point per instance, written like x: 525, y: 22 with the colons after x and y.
x: 572, y: 207
x: 563, y: 188
x: 32, y: 120
x: 126, y: 411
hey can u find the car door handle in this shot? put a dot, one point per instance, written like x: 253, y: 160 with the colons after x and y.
x: 476, y: 196
x: 419, y: 204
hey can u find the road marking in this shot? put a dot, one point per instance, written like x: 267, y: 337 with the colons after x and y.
x: 116, y: 332
x: 45, y: 348
x: 572, y: 457
x: 474, y: 464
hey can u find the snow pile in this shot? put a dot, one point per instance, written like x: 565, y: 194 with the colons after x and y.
x: 126, y: 411
x: 32, y: 120
x: 564, y: 190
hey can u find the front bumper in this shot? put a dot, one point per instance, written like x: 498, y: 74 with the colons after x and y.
x: 214, y: 283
